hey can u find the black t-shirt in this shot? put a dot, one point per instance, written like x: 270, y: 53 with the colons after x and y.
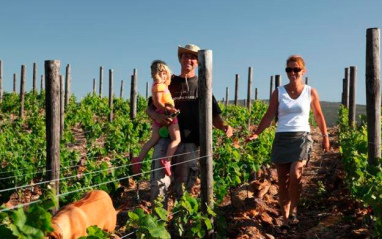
x: 185, y: 94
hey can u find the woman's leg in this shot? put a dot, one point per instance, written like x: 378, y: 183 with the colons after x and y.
x: 283, y: 171
x: 151, y: 143
x: 295, y: 186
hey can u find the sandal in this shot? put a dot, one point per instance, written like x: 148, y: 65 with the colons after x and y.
x: 167, y: 166
x: 292, y: 219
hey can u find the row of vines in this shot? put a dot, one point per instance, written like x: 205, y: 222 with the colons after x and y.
x: 364, y: 180
x: 95, y: 151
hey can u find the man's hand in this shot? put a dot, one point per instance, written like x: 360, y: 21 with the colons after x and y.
x: 137, y: 165
x: 162, y: 119
x: 228, y: 131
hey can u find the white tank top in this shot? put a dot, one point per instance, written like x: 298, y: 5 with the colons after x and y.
x: 293, y: 115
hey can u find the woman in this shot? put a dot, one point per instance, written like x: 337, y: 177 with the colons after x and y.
x: 292, y: 143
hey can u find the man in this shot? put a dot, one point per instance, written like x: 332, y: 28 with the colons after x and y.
x: 184, y: 91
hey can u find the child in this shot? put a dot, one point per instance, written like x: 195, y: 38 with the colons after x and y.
x: 164, y: 103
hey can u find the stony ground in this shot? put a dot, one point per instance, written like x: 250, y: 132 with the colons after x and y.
x: 326, y: 209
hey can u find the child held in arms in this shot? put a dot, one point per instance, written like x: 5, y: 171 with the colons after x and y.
x: 164, y: 104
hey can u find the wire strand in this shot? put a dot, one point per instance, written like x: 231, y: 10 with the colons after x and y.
x: 73, y: 176
x: 103, y: 183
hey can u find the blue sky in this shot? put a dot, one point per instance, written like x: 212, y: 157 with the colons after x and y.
x: 123, y: 35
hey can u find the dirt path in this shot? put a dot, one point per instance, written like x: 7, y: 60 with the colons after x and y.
x: 326, y: 209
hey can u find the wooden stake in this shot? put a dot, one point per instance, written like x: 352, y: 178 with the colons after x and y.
x: 147, y: 90
x: 34, y: 86
x: 271, y: 88
x: 14, y: 82
x: 111, y: 95
x: 347, y: 87
x: 236, y: 89
x: 226, y: 96
x: 277, y: 81
x: 121, y: 93
x: 22, y: 92
x: 133, y: 95
x: 42, y: 83
x: 373, y: 96
x: 94, y: 87
x: 100, y: 81
x: 62, y: 106
x: 205, y: 130
x: 250, y: 69
x: 352, y: 105
x: 68, y: 80
x: 52, y: 84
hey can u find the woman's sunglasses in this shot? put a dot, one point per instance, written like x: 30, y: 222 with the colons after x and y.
x: 295, y: 70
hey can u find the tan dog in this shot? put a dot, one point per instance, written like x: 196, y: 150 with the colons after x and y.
x: 96, y: 208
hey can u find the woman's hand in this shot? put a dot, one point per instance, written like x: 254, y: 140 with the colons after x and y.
x: 325, y: 144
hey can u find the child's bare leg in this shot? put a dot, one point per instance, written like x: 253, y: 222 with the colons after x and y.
x: 174, y: 132
x: 151, y: 143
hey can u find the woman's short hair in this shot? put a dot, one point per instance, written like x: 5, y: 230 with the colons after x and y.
x: 159, y: 66
x: 296, y: 58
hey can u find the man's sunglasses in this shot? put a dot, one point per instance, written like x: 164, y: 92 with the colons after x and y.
x: 295, y: 70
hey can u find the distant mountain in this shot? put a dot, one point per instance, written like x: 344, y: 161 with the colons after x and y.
x: 330, y: 110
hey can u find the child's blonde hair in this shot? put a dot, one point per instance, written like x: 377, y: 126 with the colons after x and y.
x: 157, y: 67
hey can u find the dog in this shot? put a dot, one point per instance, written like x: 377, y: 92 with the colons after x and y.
x: 96, y: 208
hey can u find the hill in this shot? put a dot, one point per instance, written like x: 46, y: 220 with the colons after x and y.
x: 330, y: 110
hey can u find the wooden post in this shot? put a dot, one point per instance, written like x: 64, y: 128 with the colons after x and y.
x: 121, y: 93
x: 52, y: 85
x: 277, y: 84
x: 226, y: 96
x: 306, y: 81
x: 352, y: 105
x: 250, y: 69
x: 347, y: 87
x: 271, y: 89
x: 236, y: 89
x: 22, y: 91
x: 94, y: 87
x: 42, y: 83
x: 205, y: 130
x: 62, y: 106
x: 373, y: 96
x: 256, y: 94
x: 14, y: 82
x: 344, y: 87
x: 1, y: 81
x: 100, y: 81
x: 277, y: 81
x: 67, y: 85
x: 111, y: 95
x: 133, y: 95
x: 34, y: 86
x: 147, y: 90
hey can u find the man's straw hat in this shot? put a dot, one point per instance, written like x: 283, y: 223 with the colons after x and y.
x: 190, y: 48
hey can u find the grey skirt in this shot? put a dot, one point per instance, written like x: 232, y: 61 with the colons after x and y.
x: 289, y: 147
